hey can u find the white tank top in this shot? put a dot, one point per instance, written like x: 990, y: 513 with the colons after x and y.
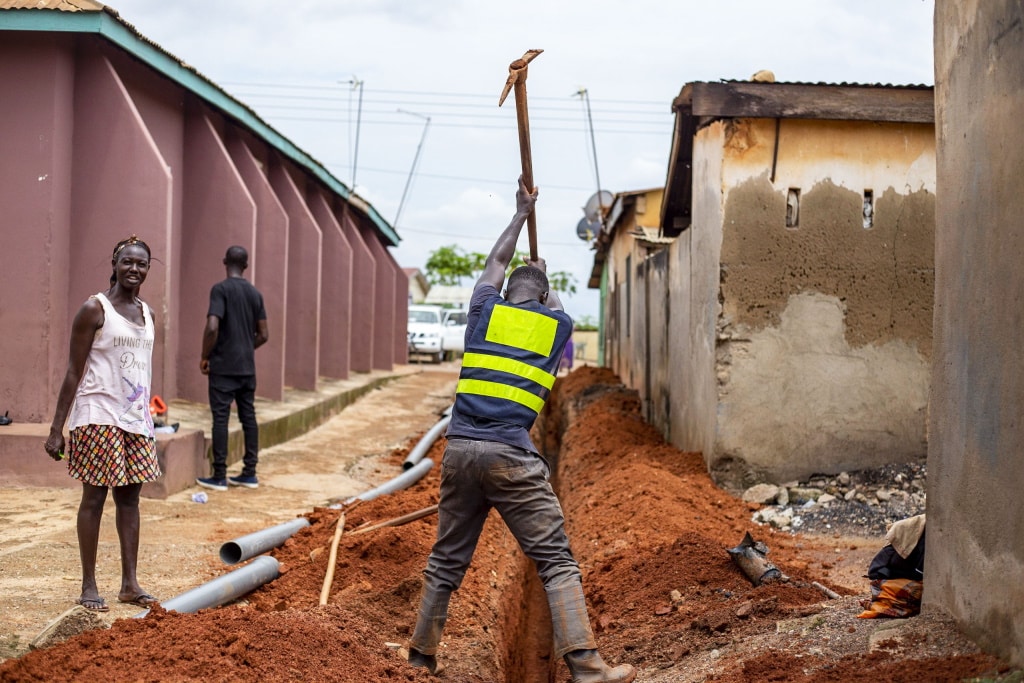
x: 115, y: 386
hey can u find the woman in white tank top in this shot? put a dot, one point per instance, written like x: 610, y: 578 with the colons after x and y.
x: 104, y: 400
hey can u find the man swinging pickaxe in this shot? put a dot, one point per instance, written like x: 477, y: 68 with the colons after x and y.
x: 517, y: 79
x: 513, y: 345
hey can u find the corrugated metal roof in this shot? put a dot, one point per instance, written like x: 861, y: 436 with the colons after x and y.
x: 62, y: 5
x: 844, y: 84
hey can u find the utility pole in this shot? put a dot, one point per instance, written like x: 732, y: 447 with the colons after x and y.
x: 415, y: 160
x: 356, y: 83
x: 585, y: 96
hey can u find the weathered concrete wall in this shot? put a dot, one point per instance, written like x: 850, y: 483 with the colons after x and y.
x: 696, y: 397
x: 825, y: 328
x: 681, y: 420
x: 797, y: 398
x: 622, y: 260
x: 975, y: 562
x: 657, y: 387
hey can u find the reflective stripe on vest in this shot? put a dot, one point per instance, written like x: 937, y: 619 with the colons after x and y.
x: 482, y: 387
x: 510, y: 366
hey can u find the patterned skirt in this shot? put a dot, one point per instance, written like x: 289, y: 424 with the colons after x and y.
x: 104, y: 455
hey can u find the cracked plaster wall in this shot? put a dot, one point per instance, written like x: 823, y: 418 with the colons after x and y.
x: 823, y: 337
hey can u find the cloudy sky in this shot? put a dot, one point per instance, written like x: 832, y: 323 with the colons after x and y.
x: 399, y: 97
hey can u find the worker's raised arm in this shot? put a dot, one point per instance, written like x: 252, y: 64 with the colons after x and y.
x: 505, y: 247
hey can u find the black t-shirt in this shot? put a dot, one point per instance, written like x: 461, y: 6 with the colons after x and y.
x: 239, y: 306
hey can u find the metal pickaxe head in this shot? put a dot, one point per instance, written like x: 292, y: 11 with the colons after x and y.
x: 517, y: 72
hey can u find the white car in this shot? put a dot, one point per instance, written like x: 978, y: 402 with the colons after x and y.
x: 426, y: 330
x: 453, y: 339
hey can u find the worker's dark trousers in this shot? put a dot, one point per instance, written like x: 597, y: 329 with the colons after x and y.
x: 479, y: 475
x: 223, y: 390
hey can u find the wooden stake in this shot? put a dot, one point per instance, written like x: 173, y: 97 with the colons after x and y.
x: 397, y: 521
x: 326, y: 590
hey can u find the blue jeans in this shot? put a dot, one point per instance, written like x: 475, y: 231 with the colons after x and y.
x: 479, y: 475
x: 240, y: 389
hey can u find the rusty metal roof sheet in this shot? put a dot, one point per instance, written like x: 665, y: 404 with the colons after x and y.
x: 62, y: 5
x: 844, y: 84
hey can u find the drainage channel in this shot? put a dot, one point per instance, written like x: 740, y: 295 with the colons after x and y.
x: 526, y: 620
x: 522, y: 627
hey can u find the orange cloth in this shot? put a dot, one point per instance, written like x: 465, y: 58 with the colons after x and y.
x: 893, y: 598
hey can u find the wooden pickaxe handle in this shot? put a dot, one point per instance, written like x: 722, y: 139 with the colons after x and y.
x: 517, y: 80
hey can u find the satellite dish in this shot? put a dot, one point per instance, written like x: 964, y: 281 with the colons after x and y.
x: 598, y: 203
x: 587, y: 230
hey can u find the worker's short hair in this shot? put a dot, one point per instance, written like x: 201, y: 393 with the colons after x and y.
x: 528, y: 276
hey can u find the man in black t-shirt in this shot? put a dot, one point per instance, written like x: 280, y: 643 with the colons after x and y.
x: 236, y: 325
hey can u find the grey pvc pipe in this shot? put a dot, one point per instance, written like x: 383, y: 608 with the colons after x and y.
x: 259, y: 542
x: 402, y: 481
x: 265, y: 569
x: 224, y: 588
x: 424, y: 444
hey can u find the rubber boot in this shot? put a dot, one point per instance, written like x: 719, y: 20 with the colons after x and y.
x: 428, y: 662
x: 574, y: 639
x: 586, y: 666
x: 427, y: 635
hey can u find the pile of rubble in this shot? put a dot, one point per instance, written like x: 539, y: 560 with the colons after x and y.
x: 861, y: 503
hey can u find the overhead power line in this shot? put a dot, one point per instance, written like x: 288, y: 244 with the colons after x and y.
x: 434, y: 93
x: 481, y: 238
x: 436, y: 124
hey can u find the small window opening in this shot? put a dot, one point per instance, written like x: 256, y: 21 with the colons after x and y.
x: 793, y: 208
x: 869, y: 209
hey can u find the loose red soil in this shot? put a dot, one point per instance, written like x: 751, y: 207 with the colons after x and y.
x: 650, y: 530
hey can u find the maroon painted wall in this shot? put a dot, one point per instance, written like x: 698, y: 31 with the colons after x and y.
x: 335, y: 292
x: 162, y: 112
x: 218, y: 212
x: 36, y: 100
x: 364, y: 287
x: 268, y: 267
x: 302, y: 334
x: 120, y: 185
x: 384, y: 342
x: 400, y: 307
x: 99, y: 146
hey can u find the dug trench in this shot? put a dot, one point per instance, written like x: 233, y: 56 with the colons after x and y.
x: 650, y: 530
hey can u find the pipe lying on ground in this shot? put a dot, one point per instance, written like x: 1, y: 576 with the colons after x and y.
x: 259, y: 542
x: 402, y: 481
x: 224, y: 588
x: 424, y: 444
x: 263, y: 570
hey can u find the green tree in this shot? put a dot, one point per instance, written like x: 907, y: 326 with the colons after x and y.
x: 450, y: 265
